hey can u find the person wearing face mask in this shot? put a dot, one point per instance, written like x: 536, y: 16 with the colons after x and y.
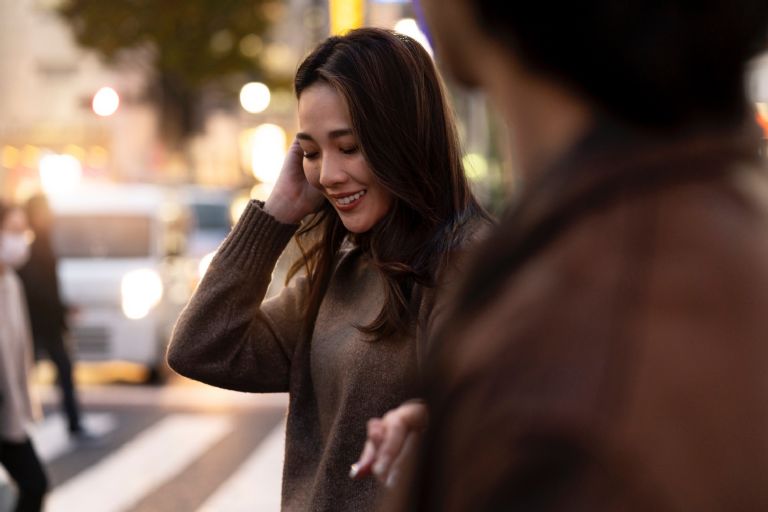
x: 14, y: 250
x: 17, y: 410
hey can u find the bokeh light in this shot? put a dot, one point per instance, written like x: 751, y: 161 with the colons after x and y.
x: 237, y: 208
x: 105, y: 102
x: 254, y: 97
x: 475, y: 166
x: 267, y: 152
x: 10, y: 157
x: 141, y: 291
x: 59, y: 173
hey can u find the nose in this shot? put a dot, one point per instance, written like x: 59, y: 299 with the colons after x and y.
x: 332, y: 173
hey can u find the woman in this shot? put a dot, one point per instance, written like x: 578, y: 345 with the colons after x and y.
x: 17, y: 455
x: 376, y: 174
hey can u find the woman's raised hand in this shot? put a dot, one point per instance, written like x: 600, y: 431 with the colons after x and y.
x: 293, y: 197
x: 391, y: 439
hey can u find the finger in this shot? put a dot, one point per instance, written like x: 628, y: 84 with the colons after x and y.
x: 401, y: 462
x: 376, y: 430
x: 295, y: 149
x: 394, y: 437
x: 362, y: 467
x: 415, y: 415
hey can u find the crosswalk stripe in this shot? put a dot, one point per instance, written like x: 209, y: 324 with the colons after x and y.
x: 191, y: 394
x: 121, y: 479
x: 256, y: 483
x: 51, y: 437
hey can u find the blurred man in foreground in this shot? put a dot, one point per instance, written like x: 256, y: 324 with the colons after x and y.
x: 610, y: 350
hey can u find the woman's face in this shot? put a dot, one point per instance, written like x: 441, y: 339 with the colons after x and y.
x: 333, y: 162
x: 15, y: 222
x: 14, y: 239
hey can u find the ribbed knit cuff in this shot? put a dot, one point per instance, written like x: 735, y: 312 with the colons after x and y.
x: 257, y: 239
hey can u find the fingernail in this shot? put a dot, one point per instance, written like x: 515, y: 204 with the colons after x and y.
x: 391, y: 480
x: 380, y: 466
x: 354, y: 469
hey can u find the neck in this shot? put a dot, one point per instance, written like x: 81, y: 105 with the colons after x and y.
x: 544, y: 119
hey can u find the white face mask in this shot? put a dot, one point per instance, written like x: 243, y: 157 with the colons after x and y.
x: 14, y: 249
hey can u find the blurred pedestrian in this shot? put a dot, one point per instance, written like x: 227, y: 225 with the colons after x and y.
x: 376, y: 174
x: 47, y: 312
x: 609, y: 350
x: 17, y: 411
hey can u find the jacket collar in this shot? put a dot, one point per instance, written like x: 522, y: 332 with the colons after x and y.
x: 608, y: 164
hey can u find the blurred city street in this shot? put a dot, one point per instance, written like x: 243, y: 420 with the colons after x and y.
x: 147, y: 152
x: 180, y: 446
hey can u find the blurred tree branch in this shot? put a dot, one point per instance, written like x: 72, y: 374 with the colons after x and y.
x: 192, y: 44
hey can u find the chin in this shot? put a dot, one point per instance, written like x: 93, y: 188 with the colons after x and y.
x: 356, y: 228
x: 357, y: 225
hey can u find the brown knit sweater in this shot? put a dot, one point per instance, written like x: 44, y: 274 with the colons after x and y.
x: 228, y: 337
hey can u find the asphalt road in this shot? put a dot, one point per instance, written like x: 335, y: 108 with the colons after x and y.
x: 177, y: 447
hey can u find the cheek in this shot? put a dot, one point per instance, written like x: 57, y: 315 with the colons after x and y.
x: 385, y: 203
x: 312, y: 174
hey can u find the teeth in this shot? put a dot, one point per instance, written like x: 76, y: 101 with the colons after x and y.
x: 350, y: 199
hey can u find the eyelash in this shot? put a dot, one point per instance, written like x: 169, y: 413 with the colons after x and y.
x: 346, y: 151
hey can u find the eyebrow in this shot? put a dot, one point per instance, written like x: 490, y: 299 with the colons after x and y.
x: 334, y: 134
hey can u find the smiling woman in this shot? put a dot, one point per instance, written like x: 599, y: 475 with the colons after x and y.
x: 333, y: 162
x: 374, y: 190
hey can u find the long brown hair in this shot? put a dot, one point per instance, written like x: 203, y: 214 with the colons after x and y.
x: 406, y: 133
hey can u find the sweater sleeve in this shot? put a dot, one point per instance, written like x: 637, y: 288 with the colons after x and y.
x: 226, y: 336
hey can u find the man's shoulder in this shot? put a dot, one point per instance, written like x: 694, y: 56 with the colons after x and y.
x: 685, y: 264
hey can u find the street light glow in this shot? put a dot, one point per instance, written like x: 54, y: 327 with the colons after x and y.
x: 267, y: 152
x: 59, y: 173
x: 105, y: 102
x: 254, y: 97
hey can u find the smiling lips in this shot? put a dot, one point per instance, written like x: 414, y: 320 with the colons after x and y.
x: 346, y: 203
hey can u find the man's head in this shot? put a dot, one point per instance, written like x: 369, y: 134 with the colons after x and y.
x: 650, y: 63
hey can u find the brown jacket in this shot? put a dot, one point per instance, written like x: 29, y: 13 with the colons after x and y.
x: 611, y: 348
x: 337, y: 379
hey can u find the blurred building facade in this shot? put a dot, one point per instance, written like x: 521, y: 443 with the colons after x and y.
x: 49, y: 82
x: 45, y: 101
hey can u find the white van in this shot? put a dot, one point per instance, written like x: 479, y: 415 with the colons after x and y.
x: 116, y: 247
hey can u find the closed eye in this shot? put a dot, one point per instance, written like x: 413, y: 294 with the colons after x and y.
x: 310, y: 156
x: 350, y: 150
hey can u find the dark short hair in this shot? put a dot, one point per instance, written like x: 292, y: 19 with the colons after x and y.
x: 38, y: 212
x: 647, y: 62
